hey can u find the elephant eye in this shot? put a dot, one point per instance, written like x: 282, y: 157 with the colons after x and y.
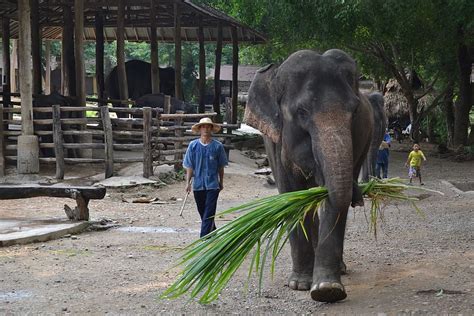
x: 302, y: 112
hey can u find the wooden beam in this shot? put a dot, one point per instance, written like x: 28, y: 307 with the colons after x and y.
x: 202, y: 68
x: 177, y: 52
x: 235, y: 74
x: 79, y: 52
x: 121, y: 71
x: 68, y: 68
x: 147, y: 142
x: 58, y: 142
x: 6, y: 62
x: 14, y: 66
x: 155, y: 75
x: 36, y: 47
x: 217, y: 75
x: 108, y: 141
x: 99, y: 55
x: 24, y: 47
x: 47, y: 73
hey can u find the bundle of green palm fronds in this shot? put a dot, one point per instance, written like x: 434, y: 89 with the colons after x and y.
x: 210, y: 262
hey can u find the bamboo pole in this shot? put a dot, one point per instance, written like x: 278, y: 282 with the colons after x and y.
x: 58, y: 142
x: 108, y: 141
x: 147, y: 143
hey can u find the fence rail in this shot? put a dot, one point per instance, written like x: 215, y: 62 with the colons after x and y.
x: 100, y: 137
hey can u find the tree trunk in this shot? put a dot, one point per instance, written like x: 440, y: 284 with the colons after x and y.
x: 448, y: 109
x: 463, y: 106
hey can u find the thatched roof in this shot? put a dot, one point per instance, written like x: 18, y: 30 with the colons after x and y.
x: 396, y: 104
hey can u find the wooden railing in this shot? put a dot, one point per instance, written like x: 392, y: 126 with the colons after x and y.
x: 100, y: 138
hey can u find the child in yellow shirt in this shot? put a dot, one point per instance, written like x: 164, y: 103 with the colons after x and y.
x: 414, y: 163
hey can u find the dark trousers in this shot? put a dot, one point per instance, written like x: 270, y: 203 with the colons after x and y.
x: 384, y: 167
x: 206, y: 202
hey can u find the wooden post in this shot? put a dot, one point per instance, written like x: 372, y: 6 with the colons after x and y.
x: 147, y: 143
x: 6, y: 62
x: 177, y: 52
x: 68, y: 72
x: 217, y: 75
x: 79, y: 52
x: 108, y: 140
x: 58, y: 142
x: 28, y: 149
x: 14, y: 66
x: 167, y: 105
x: 235, y: 74
x: 99, y: 56
x: 178, y: 145
x: 228, y: 118
x: 121, y: 71
x: 155, y: 69
x: 2, y: 144
x: 202, y: 68
x: 47, y: 74
x: 36, y: 47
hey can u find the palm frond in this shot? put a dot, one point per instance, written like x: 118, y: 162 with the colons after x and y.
x: 210, y: 262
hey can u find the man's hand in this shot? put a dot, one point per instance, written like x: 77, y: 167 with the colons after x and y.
x: 188, y: 187
x: 221, y: 186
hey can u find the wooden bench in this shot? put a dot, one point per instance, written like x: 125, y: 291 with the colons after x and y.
x: 82, y: 195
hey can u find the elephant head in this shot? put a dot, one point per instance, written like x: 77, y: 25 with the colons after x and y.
x: 320, y: 126
x: 308, y: 104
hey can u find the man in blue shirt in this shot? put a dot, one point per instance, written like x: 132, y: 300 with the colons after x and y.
x: 205, y: 160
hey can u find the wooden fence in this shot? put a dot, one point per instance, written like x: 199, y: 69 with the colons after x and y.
x: 100, y: 137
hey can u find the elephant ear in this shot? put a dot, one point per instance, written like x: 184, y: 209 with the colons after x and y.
x: 347, y: 66
x: 263, y: 111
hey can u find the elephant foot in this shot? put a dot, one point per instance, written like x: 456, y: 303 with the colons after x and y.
x: 357, y: 198
x: 328, y: 292
x: 300, y: 281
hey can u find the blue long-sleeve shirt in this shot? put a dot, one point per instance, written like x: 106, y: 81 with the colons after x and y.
x: 206, y: 161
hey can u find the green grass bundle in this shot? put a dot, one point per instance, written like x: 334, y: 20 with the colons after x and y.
x: 210, y: 262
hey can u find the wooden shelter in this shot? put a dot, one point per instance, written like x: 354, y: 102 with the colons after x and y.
x: 76, y: 21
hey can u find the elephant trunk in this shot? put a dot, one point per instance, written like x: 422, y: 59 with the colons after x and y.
x: 333, y: 149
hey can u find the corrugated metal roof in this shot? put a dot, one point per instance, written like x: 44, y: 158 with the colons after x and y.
x: 137, y: 20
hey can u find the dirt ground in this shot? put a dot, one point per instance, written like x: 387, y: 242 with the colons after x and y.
x: 416, y: 266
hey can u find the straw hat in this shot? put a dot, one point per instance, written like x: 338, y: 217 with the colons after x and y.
x: 206, y: 121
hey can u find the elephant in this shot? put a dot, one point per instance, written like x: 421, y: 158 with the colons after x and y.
x: 157, y: 100
x: 380, y: 126
x: 317, y: 129
x: 139, y: 80
x: 48, y: 100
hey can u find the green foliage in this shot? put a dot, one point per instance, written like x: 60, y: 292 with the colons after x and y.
x: 210, y: 262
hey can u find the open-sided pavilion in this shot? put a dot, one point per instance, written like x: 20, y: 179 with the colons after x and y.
x: 76, y: 21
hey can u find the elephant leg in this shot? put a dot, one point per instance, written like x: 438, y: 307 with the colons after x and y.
x: 328, y: 265
x: 302, y: 254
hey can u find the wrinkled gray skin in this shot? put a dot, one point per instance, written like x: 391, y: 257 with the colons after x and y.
x: 157, y: 100
x: 380, y: 125
x: 317, y: 129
